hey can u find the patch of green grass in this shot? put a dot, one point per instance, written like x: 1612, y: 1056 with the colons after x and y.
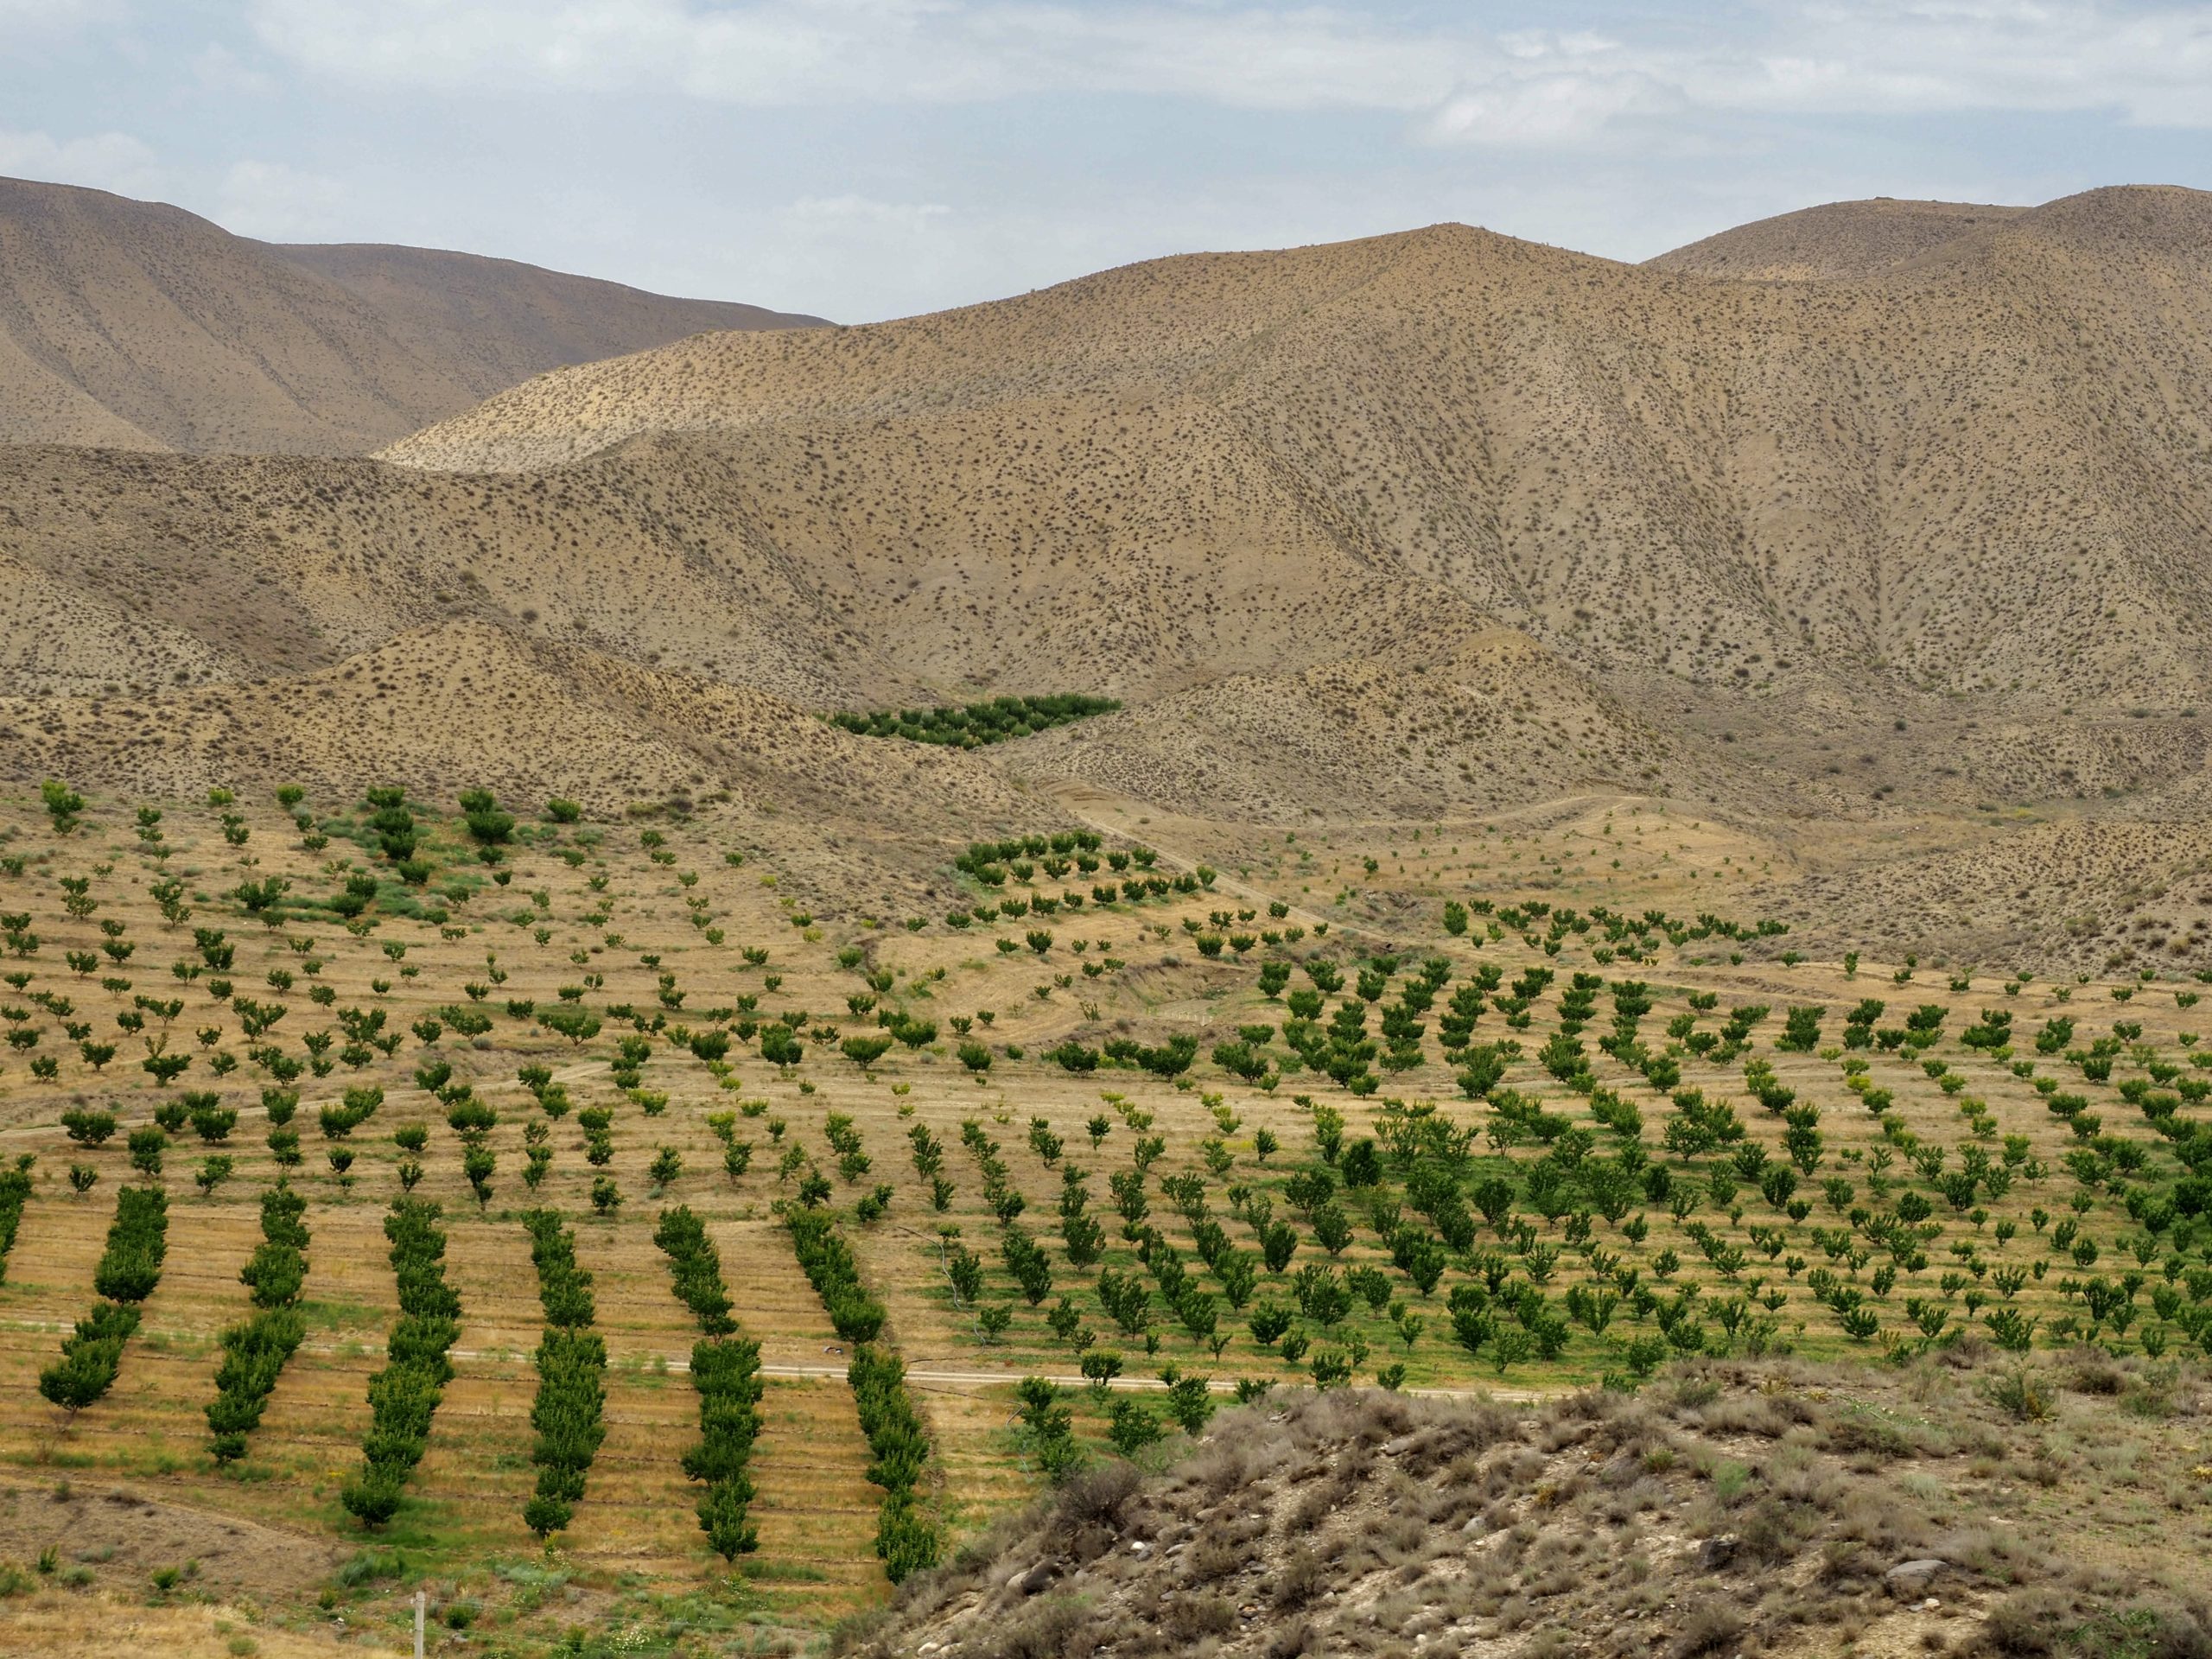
x: 760, y: 1570
x: 370, y: 1567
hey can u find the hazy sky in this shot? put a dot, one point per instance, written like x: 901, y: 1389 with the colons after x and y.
x: 867, y: 158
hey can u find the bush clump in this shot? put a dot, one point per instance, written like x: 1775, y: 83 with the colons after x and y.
x: 856, y: 1316
x: 973, y: 725
x: 14, y: 1193
x: 907, y: 1539
x: 129, y: 1270
x: 571, y: 1376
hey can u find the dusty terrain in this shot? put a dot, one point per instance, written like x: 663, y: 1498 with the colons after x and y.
x: 138, y: 326
x: 1555, y: 696
x: 1878, y: 528
x: 1770, y: 1508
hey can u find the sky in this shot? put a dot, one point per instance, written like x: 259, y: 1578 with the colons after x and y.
x: 862, y: 159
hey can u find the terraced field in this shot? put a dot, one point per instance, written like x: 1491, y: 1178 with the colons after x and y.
x: 1368, y: 1111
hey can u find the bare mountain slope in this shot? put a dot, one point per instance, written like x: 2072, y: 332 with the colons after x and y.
x: 1430, y: 524
x: 142, y: 326
x: 498, y: 321
x: 1992, y: 466
x: 1838, y: 239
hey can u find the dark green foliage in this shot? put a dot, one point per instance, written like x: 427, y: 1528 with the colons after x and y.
x: 128, y: 1271
x: 726, y: 1372
x: 906, y: 1538
x: 404, y: 1394
x: 63, y: 804
x: 15, y: 1190
x: 91, y: 1356
x: 1131, y: 1427
x: 136, y: 1241
x: 571, y: 1376
x: 976, y: 723
x: 488, y: 825
x: 254, y: 1353
x: 567, y: 1417
x: 856, y: 1316
x: 147, y: 1143
x: 1050, y: 1425
x: 1802, y: 1030
x: 88, y: 1128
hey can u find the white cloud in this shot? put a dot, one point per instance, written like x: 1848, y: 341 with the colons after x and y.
x: 278, y: 203
x: 216, y: 69
x: 1547, y: 110
x: 105, y: 161
x: 22, y: 18
x: 1468, y: 85
x: 2154, y: 67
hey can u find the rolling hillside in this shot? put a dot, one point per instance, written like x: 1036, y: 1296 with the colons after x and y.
x: 1434, y: 524
x: 1590, y: 1036
x: 1953, y: 478
x: 1841, y: 240
x: 140, y: 326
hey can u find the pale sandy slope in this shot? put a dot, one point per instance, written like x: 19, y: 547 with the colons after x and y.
x: 1990, y: 466
x: 1840, y: 239
x: 1416, y: 525
x: 140, y: 325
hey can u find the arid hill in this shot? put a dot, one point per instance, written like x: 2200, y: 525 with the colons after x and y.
x: 498, y: 321
x: 140, y: 326
x: 1841, y: 239
x: 1422, y: 526
x: 1988, y: 471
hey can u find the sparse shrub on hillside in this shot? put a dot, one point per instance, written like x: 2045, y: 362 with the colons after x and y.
x: 64, y: 805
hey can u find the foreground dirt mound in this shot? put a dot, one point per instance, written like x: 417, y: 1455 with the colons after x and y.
x: 1735, y: 1509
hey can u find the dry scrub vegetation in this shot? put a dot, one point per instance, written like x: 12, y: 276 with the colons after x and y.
x: 1960, y: 1505
x: 1877, y: 528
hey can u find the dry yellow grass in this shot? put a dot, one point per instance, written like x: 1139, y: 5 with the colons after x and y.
x: 77, y: 1627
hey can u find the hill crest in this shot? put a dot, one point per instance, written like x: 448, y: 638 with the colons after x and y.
x: 138, y: 325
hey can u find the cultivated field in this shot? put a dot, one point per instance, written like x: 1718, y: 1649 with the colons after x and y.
x: 1512, y: 1104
